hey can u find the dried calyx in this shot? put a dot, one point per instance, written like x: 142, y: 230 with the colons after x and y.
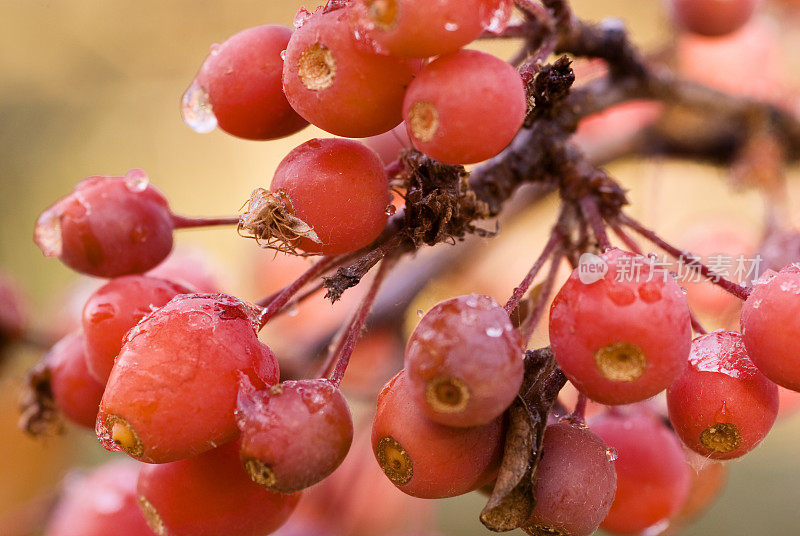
x: 271, y: 221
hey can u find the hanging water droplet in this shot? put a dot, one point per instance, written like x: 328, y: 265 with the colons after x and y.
x: 136, y: 180
x: 685, y: 290
x: 214, y: 49
x: 420, y: 313
x: 47, y: 234
x: 196, y: 109
x: 301, y: 18
x: 293, y: 310
x: 494, y: 332
x: 450, y: 26
x: 611, y: 454
x: 390, y: 210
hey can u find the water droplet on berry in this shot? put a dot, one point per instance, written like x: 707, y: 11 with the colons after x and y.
x: 684, y: 290
x: 301, y: 17
x: 196, y: 109
x: 293, y: 310
x: 283, y: 55
x: 420, y: 313
x: 214, y: 49
x: 390, y: 210
x: 48, y: 233
x: 657, y: 529
x: 494, y: 332
x: 756, y: 304
x: 611, y: 454
x: 136, y: 180
x: 450, y: 26
x: 495, y: 15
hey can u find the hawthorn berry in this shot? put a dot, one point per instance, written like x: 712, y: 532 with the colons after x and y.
x: 241, y: 82
x: 464, y: 107
x: 99, y: 503
x: 108, y: 227
x: 722, y: 406
x: 424, y: 28
x: 575, y: 482
x: 294, y: 433
x: 713, y: 18
x: 339, y: 86
x: 652, y: 477
x: 172, y: 391
x: 464, y: 361
x: 115, y: 308
x: 769, y: 323
x: 338, y: 189
x: 210, y: 495
x: 426, y: 459
x: 623, y: 337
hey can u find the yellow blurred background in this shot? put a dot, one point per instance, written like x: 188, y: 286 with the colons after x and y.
x: 93, y: 87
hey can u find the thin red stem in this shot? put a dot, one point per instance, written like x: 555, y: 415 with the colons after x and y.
x: 282, y: 298
x: 579, y: 413
x: 682, y: 255
x: 529, y: 326
x: 700, y: 330
x: 184, y: 222
x: 516, y: 296
x: 629, y: 242
x: 593, y: 217
x: 346, y: 344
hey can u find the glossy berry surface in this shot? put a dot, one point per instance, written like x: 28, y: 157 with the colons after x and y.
x: 424, y: 28
x: 242, y: 78
x: 464, y: 361
x: 652, y: 476
x: 337, y: 85
x: 100, y: 503
x: 622, y: 336
x: 713, y: 18
x: 428, y: 460
x: 115, y: 308
x: 209, y: 495
x: 294, y: 434
x: 340, y: 189
x: 107, y: 227
x: 770, y: 323
x: 172, y: 391
x: 722, y: 406
x: 465, y: 107
x: 75, y: 391
x: 575, y: 482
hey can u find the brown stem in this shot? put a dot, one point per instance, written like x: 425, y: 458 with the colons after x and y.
x: 591, y: 213
x: 184, y: 222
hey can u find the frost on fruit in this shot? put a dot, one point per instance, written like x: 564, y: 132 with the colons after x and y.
x: 317, y: 67
x: 394, y: 461
x: 447, y: 395
x: 152, y: 517
x: 621, y: 362
x: 423, y: 119
x: 270, y: 220
x: 384, y: 14
x: 721, y: 437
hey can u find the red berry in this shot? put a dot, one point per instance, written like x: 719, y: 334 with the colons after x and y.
x: 75, y: 391
x: 652, y: 477
x: 708, y: 480
x: 464, y: 361
x: 428, y: 460
x: 114, y: 309
x: 172, y: 391
x: 770, y: 321
x: 623, y: 337
x: 575, y: 482
x: 192, y: 268
x: 241, y: 79
x: 390, y: 144
x: 464, y: 107
x: 294, y: 434
x: 100, y: 503
x: 340, y: 189
x: 13, y: 311
x: 421, y: 28
x: 109, y: 226
x: 722, y: 406
x: 336, y: 85
x: 210, y: 495
x: 713, y: 18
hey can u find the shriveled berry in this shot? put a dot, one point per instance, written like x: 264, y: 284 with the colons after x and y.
x: 210, y: 495
x: 294, y: 433
x: 428, y: 460
x: 172, y: 391
x: 464, y: 361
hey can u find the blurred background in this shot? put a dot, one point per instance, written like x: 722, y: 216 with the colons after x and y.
x: 93, y: 87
